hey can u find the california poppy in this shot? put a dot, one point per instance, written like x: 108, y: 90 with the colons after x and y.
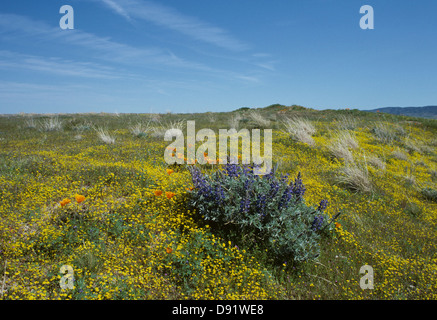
x: 79, y: 198
x: 169, y: 171
x: 169, y: 194
x: 337, y: 225
x: 157, y: 192
x: 169, y: 250
x: 64, y: 202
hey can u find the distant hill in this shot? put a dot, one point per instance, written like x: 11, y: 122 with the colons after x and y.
x: 422, y: 112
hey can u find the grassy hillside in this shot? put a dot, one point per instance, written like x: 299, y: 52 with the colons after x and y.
x: 93, y: 191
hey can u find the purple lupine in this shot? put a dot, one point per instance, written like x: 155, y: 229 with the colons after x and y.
x: 248, y: 170
x: 317, y: 223
x: 298, y: 188
x: 323, y: 205
x: 200, y: 183
x: 247, y: 184
x: 232, y: 170
x: 219, y: 194
x: 261, y: 204
x: 244, y: 205
x: 274, y: 188
x: 284, y: 178
x: 286, y: 196
x: 270, y: 175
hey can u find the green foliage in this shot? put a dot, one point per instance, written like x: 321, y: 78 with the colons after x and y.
x: 429, y: 194
x: 263, y: 211
x: 243, y: 109
x: 413, y: 209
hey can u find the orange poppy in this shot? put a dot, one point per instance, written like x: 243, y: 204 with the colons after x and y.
x: 169, y: 250
x: 337, y: 225
x: 157, y: 192
x: 169, y: 194
x: 64, y: 202
x: 169, y: 171
x: 79, y: 198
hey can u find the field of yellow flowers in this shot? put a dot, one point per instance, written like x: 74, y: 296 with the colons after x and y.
x: 92, y: 191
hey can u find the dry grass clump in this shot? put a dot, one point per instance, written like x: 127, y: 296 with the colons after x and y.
x: 341, y: 152
x: 259, y: 120
x: 51, y: 124
x: 340, y: 148
x: 300, y: 129
x: 409, y: 177
x: 30, y: 123
x: 376, y: 162
x: 355, y: 177
x: 400, y: 155
x: 412, y: 145
x: 172, y: 128
x: 234, y: 121
x: 347, y: 122
x: 347, y: 138
x: 384, y: 133
x: 140, y: 129
x: 212, y: 118
x: 104, y: 136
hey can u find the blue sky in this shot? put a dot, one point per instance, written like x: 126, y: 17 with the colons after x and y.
x: 210, y: 55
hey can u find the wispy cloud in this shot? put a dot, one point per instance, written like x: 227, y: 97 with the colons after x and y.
x: 117, y: 8
x: 172, y: 19
x: 101, y: 48
x: 52, y: 65
x: 98, y: 48
x: 247, y: 78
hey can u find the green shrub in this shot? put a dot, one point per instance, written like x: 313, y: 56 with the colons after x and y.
x: 413, y: 209
x: 264, y: 212
x: 429, y: 194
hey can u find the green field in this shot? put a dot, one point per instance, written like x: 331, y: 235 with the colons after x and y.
x: 93, y: 191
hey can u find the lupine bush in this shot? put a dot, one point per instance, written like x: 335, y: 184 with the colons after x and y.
x: 266, y: 211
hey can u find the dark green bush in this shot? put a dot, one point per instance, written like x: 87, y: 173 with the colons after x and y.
x: 429, y: 194
x: 260, y: 211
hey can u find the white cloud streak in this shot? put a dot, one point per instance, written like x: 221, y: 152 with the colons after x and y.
x: 170, y: 18
x: 14, y: 60
x: 117, y: 8
x: 101, y: 48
